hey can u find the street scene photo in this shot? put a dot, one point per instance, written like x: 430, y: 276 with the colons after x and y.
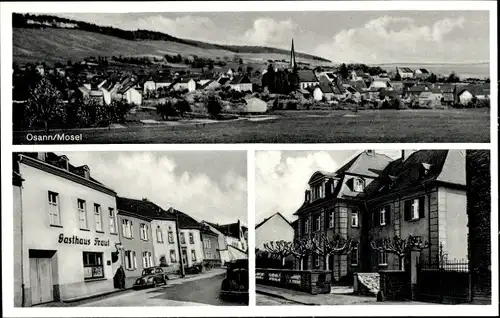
x: 270, y: 77
x: 351, y: 227
x: 104, y: 229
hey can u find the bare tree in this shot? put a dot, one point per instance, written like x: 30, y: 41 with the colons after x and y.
x: 398, y: 246
x: 280, y: 249
x: 300, y: 248
x: 336, y: 245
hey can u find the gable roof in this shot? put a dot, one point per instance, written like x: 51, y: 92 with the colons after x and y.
x: 307, y: 76
x: 267, y: 219
x: 143, y: 208
x: 240, y: 79
x: 185, y: 221
x: 325, y: 88
x: 232, y: 229
x: 358, y: 85
x: 223, y: 80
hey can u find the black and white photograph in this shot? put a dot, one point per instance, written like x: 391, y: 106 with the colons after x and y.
x: 105, y: 229
x: 401, y: 227
x: 251, y: 77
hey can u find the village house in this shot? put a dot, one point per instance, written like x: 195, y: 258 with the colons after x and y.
x: 421, y: 73
x: 186, y: 83
x: 274, y: 228
x: 307, y: 78
x: 157, y: 81
x: 404, y: 72
x: 136, y: 236
x: 232, y: 241
x: 241, y: 83
x: 323, y: 91
x: 68, y: 230
x: 422, y: 193
x: 428, y: 99
x: 211, y: 254
x: 333, y: 205
x: 254, y: 105
x: 379, y: 82
x: 131, y: 94
x: 189, y: 237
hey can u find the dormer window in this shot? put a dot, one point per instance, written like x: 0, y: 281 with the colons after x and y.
x: 65, y: 162
x: 318, y: 191
x: 42, y: 156
x: 359, y: 185
x: 86, y: 172
x: 308, y: 196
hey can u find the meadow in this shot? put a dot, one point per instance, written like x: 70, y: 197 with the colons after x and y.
x: 370, y: 126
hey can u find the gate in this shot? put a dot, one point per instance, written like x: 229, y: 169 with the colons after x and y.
x: 444, y: 282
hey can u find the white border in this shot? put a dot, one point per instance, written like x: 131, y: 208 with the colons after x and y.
x: 380, y: 310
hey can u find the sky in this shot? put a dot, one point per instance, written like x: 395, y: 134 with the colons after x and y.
x: 370, y: 37
x: 207, y: 185
x: 281, y: 177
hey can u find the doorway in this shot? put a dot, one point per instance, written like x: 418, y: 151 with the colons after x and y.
x: 41, y: 277
x: 184, y: 257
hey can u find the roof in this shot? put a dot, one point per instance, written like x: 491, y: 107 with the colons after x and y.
x: 60, y: 162
x: 401, y: 174
x: 232, y: 229
x: 325, y: 88
x: 206, y: 230
x: 405, y: 69
x: 358, y: 85
x: 267, y: 219
x: 185, y: 221
x: 161, y: 78
x: 223, y: 80
x: 143, y: 208
x: 366, y: 163
x: 185, y: 80
x: 424, y: 71
x: 307, y: 76
x: 240, y: 79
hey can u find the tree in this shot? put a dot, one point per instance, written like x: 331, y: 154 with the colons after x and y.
x: 182, y: 107
x: 166, y: 110
x: 344, y: 71
x: 453, y: 78
x: 432, y: 78
x: 300, y: 248
x: 279, y: 249
x: 398, y: 246
x: 397, y: 77
x: 213, y: 106
x: 44, y: 104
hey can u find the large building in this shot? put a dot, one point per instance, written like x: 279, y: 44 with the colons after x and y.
x: 69, y: 232
x: 373, y: 196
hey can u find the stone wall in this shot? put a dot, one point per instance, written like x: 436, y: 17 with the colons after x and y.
x: 310, y: 281
x: 395, y: 285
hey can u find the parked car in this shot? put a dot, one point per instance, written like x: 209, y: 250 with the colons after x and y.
x: 235, y: 285
x: 151, y: 277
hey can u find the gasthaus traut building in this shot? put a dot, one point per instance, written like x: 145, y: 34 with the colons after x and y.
x: 69, y: 238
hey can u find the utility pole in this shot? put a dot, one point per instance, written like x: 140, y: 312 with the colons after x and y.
x: 181, y: 261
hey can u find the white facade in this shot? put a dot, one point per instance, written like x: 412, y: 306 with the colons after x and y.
x: 242, y: 87
x: 169, y: 248
x: 149, y: 86
x: 67, y: 246
x: 133, y: 96
x: 190, y: 86
x: 304, y: 85
x: 276, y: 228
x: 465, y: 97
x: 191, y: 247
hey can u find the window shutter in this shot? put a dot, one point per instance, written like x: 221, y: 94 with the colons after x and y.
x: 407, y: 210
x: 388, y: 214
x: 421, y: 207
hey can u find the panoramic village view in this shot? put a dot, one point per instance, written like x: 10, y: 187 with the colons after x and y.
x: 373, y: 227
x: 92, y: 78
x: 105, y: 229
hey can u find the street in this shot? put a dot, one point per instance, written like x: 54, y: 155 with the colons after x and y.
x: 263, y: 300
x: 199, y: 292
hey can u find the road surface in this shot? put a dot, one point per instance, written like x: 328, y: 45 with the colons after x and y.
x: 263, y: 300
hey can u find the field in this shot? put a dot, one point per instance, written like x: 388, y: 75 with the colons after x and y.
x: 60, y: 45
x: 409, y: 126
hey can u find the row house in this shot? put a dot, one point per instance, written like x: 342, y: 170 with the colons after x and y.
x: 373, y: 196
x: 191, y: 249
x: 68, y: 230
x: 210, y: 241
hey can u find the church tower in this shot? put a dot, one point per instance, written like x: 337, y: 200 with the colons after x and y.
x: 293, y: 64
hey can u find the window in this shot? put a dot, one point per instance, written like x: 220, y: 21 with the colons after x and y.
x: 331, y: 219
x: 170, y: 235
x: 414, y: 209
x: 354, y: 256
x: 144, y: 231
x: 82, y: 214
x: 354, y: 219
x: 382, y: 258
x: 208, y: 255
x: 54, y: 215
x: 173, y: 259
x: 358, y: 185
x: 93, y: 265
x: 183, y: 239
x: 206, y: 243
x: 159, y: 235
x: 317, y: 223
x: 191, y: 238
x: 98, y: 217
x: 381, y: 216
x: 147, y: 259
x: 128, y: 228
x: 112, y: 221
x: 193, y: 255
x: 306, y: 226
x: 318, y: 191
x: 316, y: 260
x: 130, y: 260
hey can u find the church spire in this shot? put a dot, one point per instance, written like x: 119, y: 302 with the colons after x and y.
x: 293, y: 64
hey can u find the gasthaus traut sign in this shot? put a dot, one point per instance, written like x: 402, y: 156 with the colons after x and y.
x: 75, y: 240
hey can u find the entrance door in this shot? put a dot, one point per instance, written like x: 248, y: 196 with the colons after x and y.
x: 184, y: 257
x: 41, y: 280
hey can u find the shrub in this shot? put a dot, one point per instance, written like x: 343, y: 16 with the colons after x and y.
x: 291, y: 105
x: 213, y: 105
x: 182, y: 106
x: 166, y: 110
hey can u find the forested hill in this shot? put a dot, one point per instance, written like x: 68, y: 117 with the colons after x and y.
x: 48, y: 21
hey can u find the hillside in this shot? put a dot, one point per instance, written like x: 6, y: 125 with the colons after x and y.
x: 53, y: 39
